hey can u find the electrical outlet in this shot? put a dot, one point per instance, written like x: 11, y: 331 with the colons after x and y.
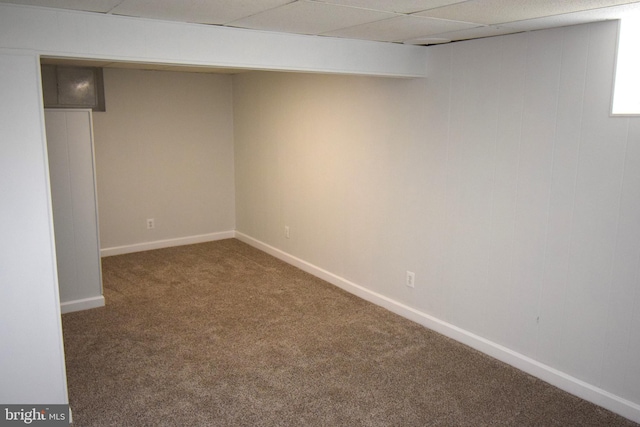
x: 411, y: 279
x: 286, y: 231
x: 150, y: 224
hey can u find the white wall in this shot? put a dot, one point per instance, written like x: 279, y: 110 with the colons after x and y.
x: 31, y: 354
x: 500, y: 180
x: 540, y: 241
x: 164, y: 150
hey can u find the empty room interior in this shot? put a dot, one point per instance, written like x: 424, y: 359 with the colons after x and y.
x: 480, y: 189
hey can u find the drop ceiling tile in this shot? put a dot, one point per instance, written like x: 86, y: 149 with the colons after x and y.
x: 381, y: 20
x: 400, y: 28
x: 399, y: 6
x: 576, y: 18
x: 307, y: 17
x: 503, y: 11
x: 198, y: 11
x: 102, y: 6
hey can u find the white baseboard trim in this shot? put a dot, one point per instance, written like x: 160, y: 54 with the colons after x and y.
x: 546, y: 373
x: 159, y: 244
x: 81, y: 304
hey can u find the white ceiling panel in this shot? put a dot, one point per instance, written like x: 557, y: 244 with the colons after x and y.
x: 576, y: 18
x: 400, y: 28
x: 380, y: 20
x: 102, y: 6
x: 399, y: 6
x: 199, y: 11
x: 307, y: 17
x: 503, y: 11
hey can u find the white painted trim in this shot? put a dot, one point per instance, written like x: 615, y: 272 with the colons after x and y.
x: 82, y: 304
x: 159, y: 244
x: 539, y: 370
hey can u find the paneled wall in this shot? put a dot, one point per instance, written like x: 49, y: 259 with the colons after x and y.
x: 500, y: 180
x: 541, y: 210
x: 32, y: 356
x: 164, y: 151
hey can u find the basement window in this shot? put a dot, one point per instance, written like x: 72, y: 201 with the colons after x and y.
x: 626, y: 92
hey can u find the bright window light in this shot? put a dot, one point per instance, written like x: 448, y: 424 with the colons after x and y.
x: 626, y: 94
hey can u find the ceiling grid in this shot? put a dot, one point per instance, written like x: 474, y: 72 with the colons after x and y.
x: 421, y: 22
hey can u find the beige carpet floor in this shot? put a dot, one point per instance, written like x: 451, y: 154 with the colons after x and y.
x: 221, y: 334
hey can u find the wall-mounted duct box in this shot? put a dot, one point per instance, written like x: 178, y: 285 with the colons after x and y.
x: 72, y: 87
